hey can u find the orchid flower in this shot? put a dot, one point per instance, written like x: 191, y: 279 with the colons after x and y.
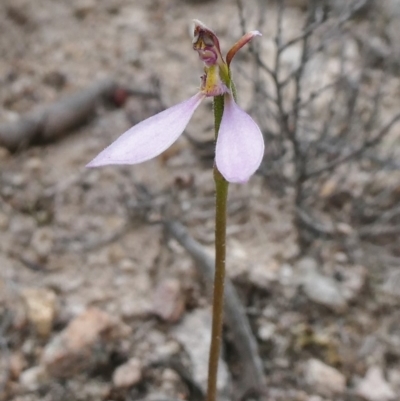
x: 239, y: 142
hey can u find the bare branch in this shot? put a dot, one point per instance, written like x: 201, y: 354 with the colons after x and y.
x: 355, y: 153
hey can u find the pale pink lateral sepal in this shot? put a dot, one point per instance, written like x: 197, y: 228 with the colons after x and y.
x: 240, y: 144
x: 150, y: 137
x: 239, y: 44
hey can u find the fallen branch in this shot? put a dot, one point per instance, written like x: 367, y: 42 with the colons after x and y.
x: 51, y: 122
x: 235, y: 316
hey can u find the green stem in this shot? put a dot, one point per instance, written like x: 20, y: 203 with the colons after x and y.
x: 221, y: 196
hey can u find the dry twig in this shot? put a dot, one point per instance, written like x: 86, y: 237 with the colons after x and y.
x: 49, y: 123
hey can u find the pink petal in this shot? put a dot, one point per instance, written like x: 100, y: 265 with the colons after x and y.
x: 150, y: 137
x: 240, y: 144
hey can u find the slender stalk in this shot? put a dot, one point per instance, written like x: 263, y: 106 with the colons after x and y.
x: 221, y: 196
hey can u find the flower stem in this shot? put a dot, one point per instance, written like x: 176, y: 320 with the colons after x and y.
x: 221, y: 187
x: 221, y: 196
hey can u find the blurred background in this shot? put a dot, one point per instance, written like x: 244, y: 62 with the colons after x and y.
x: 105, y: 273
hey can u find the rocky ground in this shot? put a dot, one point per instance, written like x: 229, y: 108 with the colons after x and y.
x: 97, y: 302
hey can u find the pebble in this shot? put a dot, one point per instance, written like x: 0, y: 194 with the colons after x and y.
x: 374, y: 387
x: 77, y: 348
x: 320, y: 289
x: 32, y: 378
x: 128, y: 374
x: 194, y: 335
x: 324, y: 379
x: 266, y: 331
x: 169, y: 301
x: 41, y: 306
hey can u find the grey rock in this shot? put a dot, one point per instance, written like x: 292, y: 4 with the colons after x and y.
x: 325, y: 379
x: 194, y: 335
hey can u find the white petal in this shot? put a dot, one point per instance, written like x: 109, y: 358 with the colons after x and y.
x: 150, y: 137
x: 240, y: 144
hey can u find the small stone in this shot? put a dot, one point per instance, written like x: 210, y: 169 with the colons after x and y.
x: 167, y: 350
x: 374, y: 387
x: 85, y: 343
x: 32, y: 378
x: 320, y: 289
x: 266, y: 331
x: 42, y: 241
x: 168, y: 301
x: 128, y: 374
x: 344, y: 228
x: 41, y: 308
x: 328, y: 188
x: 194, y: 335
x: 324, y: 379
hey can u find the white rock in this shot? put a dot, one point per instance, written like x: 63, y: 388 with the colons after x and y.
x: 266, y: 331
x: 194, y: 335
x: 374, y: 387
x: 128, y: 374
x: 318, y: 288
x: 41, y: 308
x: 325, y: 379
x: 32, y: 378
